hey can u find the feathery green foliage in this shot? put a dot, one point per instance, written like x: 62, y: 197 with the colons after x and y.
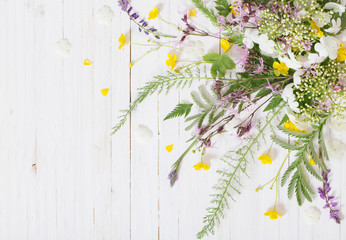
x: 180, y: 110
x: 207, y: 102
x: 161, y: 83
x: 207, y: 12
x: 222, y: 7
x: 228, y: 183
x: 304, y: 147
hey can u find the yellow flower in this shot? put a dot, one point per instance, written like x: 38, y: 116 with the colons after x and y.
x: 122, y: 41
x: 272, y: 214
x: 130, y: 64
x: 192, y: 13
x: 342, y: 53
x: 170, y: 62
x: 225, y: 44
x: 105, y: 91
x: 317, y: 29
x: 234, y: 12
x: 280, y: 68
x: 153, y: 13
x: 201, y: 165
x: 265, y: 159
x: 312, y: 162
x: 290, y: 126
x: 169, y: 148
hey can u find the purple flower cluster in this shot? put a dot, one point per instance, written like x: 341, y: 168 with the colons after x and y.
x: 334, y: 213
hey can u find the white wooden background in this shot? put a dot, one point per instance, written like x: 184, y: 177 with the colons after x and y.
x: 63, y: 176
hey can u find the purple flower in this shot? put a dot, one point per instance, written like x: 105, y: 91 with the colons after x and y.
x: 333, y: 213
x: 173, y: 176
x: 123, y: 4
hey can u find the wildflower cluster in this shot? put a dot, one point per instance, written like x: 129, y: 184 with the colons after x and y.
x: 283, y: 58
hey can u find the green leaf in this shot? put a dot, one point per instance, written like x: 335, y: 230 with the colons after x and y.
x: 180, y: 110
x: 310, y: 169
x: 263, y: 92
x: 276, y: 100
x: 220, y: 63
x: 284, y: 119
x: 222, y: 7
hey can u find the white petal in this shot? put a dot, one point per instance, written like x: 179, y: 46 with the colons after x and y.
x: 143, y: 134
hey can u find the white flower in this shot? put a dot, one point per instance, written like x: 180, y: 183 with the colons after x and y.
x: 321, y: 18
x: 314, y: 58
x: 266, y: 45
x: 194, y: 50
x: 291, y: 61
x: 63, y: 47
x: 289, y: 97
x: 328, y: 47
x: 297, y: 76
x: 338, y: 8
x: 312, y: 215
x: 250, y: 37
x: 336, y: 26
x: 143, y: 134
x: 104, y: 15
x: 299, y: 121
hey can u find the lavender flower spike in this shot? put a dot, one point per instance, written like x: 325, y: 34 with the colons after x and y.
x: 334, y: 213
x: 173, y: 177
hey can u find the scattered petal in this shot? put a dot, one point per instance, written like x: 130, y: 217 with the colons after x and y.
x: 143, y: 134
x: 87, y: 62
x: 312, y: 215
x: 105, y: 91
x: 104, y: 15
x: 169, y: 148
x: 63, y: 47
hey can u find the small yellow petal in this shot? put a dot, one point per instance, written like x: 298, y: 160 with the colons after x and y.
x: 312, y: 162
x: 319, y: 34
x: 197, y: 167
x: 192, y: 13
x: 169, y: 148
x: 87, y: 62
x: 105, y: 91
x: 205, y: 166
x: 130, y: 65
x: 276, y: 65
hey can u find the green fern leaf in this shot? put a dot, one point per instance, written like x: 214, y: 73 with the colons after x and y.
x: 180, y: 110
x: 294, y: 133
x: 285, y: 145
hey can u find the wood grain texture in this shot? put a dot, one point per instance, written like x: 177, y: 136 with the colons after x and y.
x: 63, y: 176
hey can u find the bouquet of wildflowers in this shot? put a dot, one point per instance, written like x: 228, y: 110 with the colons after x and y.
x: 285, y: 58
